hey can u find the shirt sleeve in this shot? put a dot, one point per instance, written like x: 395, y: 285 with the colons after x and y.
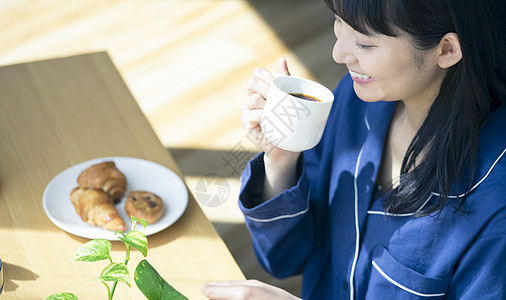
x: 280, y: 227
x: 286, y: 229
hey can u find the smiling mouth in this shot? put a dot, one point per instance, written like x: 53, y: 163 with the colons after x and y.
x: 359, y: 76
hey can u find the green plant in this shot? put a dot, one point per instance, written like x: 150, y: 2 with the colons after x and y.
x: 147, y: 279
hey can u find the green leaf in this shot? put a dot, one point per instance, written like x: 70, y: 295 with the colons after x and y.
x: 170, y: 293
x: 137, y: 240
x: 61, y: 296
x: 148, y: 280
x: 93, y: 250
x: 140, y: 221
x: 152, y: 285
x: 115, y: 272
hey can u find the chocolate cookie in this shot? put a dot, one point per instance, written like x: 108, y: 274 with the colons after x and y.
x: 144, y: 205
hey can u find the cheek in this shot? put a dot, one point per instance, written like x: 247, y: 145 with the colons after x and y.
x: 389, y: 70
x: 393, y: 79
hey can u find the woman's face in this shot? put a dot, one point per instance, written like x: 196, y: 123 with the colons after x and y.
x: 384, y: 68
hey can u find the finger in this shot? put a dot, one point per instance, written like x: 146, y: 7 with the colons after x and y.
x: 256, y: 85
x: 250, y: 119
x: 224, y: 292
x: 255, y: 101
x: 262, y: 142
x: 282, y: 66
x: 241, y: 289
x: 251, y: 282
x: 263, y: 75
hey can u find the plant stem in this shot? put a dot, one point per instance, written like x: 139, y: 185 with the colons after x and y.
x: 113, y: 289
x: 109, y: 295
x: 127, y: 258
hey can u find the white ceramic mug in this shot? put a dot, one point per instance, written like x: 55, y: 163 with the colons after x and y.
x: 292, y: 123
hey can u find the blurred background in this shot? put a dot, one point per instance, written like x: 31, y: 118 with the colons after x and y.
x: 186, y: 63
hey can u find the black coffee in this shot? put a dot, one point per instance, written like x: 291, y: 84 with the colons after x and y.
x: 306, y: 97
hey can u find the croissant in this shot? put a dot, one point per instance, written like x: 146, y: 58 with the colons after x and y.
x: 95, y: 207
x: 104, y: 176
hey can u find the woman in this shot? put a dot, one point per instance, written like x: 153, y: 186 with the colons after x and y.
x: 405, y: 195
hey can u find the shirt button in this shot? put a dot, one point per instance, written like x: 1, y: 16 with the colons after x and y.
x: 345, y: 286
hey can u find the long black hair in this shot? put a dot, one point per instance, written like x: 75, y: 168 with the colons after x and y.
x: 442, y: 156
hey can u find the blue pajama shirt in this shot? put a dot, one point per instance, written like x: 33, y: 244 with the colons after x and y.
x: 328, y: 228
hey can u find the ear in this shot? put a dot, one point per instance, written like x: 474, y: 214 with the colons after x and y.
x: 449, y: 52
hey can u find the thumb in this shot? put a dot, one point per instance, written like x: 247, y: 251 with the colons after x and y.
x: 282, y: 66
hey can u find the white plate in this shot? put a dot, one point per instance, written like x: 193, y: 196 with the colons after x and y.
x: 141, y: 175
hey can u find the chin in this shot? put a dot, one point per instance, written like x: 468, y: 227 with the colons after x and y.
x: 368, y: 95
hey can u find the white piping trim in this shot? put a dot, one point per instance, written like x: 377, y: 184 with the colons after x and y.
x: 374, y: 212
x: 282, y: 216
x: 367, y: 123
x: 377, y: 212
x: 357, y: 227
x: 403, y: 287
x: 479, y: 182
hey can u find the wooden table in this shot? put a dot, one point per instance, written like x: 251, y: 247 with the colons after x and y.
x: 57, y: 113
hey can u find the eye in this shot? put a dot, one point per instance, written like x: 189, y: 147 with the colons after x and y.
x: 363, y: 47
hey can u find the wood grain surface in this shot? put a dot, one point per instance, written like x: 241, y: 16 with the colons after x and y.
x: 53, y: 115
x: 185, y: 61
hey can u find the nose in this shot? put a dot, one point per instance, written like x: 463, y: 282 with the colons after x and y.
x: 342, y: 53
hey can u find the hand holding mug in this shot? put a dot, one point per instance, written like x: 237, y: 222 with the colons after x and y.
x: 285, y: 111
x: 284, y: 124
x: 295, y: 113
x: 258, y: 87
